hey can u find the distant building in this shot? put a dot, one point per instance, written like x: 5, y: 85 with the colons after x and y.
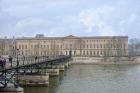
x: 39, y: 36
x: 7, y: 47
x: 77, y: 46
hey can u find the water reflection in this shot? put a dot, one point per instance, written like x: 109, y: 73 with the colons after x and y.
x: 94, y: 79
x: 101, y: 79
x: 54, y: 83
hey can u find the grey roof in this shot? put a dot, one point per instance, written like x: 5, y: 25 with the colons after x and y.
x: 72, y: 37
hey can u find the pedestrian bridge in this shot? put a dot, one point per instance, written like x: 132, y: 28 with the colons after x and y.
x: 9, y: 74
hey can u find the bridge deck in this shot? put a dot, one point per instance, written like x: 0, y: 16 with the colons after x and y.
x: 31, y: 61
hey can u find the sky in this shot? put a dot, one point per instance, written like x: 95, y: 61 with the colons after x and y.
x: 70, y: 17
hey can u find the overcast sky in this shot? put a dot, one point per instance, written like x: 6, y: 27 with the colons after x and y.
x: 70, y: 17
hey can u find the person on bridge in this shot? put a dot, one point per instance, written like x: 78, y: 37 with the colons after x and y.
x: 35, y: 59
x: 10, y: 60
x: 2, y: 62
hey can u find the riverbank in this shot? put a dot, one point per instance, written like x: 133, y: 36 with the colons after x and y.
x: 106, y: 61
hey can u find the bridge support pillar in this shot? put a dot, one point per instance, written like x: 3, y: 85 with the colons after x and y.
x: 40, y: 79
x: 69, y: 63
x: 53, y: 71
x: 66, y: 65
x: 11, y: 90
x: 61, y: 67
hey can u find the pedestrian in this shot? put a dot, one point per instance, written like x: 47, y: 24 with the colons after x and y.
x: 35, y: 58
x: 2, y: 62
x: 10, y: 60
x: 23, y: 59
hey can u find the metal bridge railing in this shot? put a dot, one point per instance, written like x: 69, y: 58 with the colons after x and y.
x: 10, y: 70
x: 21, y: 61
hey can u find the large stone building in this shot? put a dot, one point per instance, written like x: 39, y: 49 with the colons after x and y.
x: 77, y: 46
x: 7, y: 47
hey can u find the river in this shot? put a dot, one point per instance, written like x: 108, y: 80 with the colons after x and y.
x: 94, y: 79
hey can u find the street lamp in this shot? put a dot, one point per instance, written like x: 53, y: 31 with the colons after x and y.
x: 17, y: 63
x: 23, y: 58
x: 70, y: 50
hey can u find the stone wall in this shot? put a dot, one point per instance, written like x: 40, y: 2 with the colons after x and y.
x: 105, y: 60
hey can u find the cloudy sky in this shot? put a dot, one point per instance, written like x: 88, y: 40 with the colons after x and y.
x: 70, y: 17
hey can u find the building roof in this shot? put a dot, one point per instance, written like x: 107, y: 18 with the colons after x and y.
x: 72, y: 37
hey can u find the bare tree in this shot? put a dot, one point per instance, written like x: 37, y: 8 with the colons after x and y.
x: 134, y: 47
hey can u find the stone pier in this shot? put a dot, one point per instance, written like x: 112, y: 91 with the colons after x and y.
x: 11, y: 90
x: 70, y: 62
x: 53, y: 71
x: 61, y: 67
x: 41, y: 79
x: 66, y: 65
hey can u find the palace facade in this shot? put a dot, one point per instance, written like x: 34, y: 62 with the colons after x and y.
x: 7, y: 47
x: 77, y: 46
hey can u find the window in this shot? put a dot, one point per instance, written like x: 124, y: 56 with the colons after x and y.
x: 90, y: 52
x: 111, y: 45
x: 48, y: 46
x: 22, y: 46
x: 97, y: 52
x: 19, y: 46
x: 31, y: 46
x: 100, y: 52
x: 61, y: 46
x: 25, y: 46
x: 83, y: 46
x: 100, y: 45
x: 74, y: 52
x: 83, y: 52
x: 124, y: 46
x: 87, y: 46
x: 87, y: 52
x: 120, y: 45
x: 66, y: 52
x: 90, y: 45
x: 80, y: 46
x: 97, y: 45
x: 66, y: 46
x: 41, y: 53
x: 57, y: 46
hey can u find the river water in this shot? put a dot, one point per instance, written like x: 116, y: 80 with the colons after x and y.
x: 94, y: 79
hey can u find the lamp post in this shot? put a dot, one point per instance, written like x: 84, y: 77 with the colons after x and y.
x: 23, y: 58
x: 10, y: 60
x: 70, y: 50
x: 17, y: 63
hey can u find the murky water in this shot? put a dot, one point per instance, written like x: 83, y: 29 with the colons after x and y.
x: 94, y: 79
